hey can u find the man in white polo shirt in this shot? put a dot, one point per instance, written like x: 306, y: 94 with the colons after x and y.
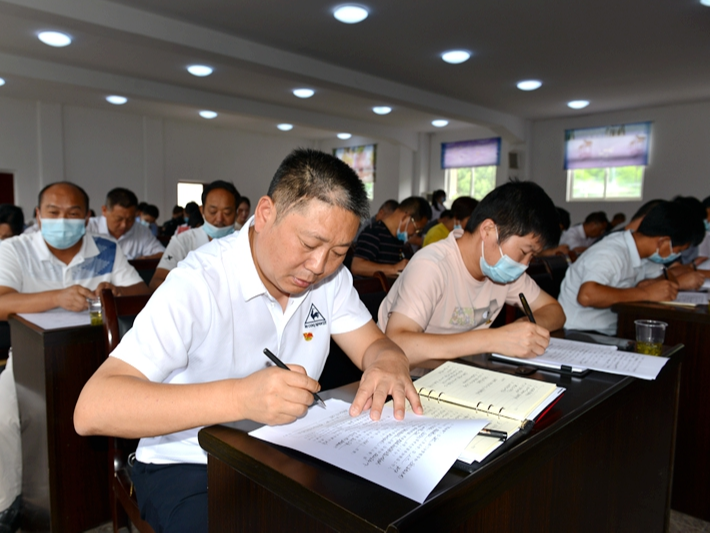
x: 194, y: 356
x: 119, y: 221
x: 443, y: 304
x: 219, y: 209
x: 59, y: 266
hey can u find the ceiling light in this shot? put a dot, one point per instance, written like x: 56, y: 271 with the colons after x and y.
x: 529, y: 85
x: 578, y: 104
x: 200, y: 70
x: 705, y: 2
x: 285, y: 127
x: 303, y: 93
x: 2, y: 82
x: 439, y: 123
x: 455, y: 56
x: 116, y: 100
x: 350, y: 14
x: 209, y: 115
x: 382, y: 110
x: 54, y: 38
x: 344, y: 136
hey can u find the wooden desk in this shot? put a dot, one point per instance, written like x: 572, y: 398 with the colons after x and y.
x: 65, y: 476
x: 601, y: 460
x: 691, y: 483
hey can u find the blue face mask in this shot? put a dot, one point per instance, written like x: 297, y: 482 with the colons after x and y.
x: 656, y: 257
x: 457, y: 226
x: 215, y: 232
x: 144, y: 222
x: 505, y: 270
x: 707, y: 224
x: 62, y: 233
x: 403, y: 236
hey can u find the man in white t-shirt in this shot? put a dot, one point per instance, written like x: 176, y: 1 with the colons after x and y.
x: 119, y: 221
x: 442, y: 305
x: 580, y: 237
x: 219, y: 209
x: 195, y: 354
x: 626, y: 267
x: 59, y: 266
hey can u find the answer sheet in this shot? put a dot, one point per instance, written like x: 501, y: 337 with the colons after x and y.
x: 692, y: 297
x: 58, y: 318
x: 407, y: 456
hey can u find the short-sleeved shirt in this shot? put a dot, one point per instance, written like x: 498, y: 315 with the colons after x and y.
x: 614, y: 261
x: 437, y: 291
x: 435, y: 234
x: 378, y: 245
x: 136, y: 242
x: 181, y: 245
x: 27, y: 265
x: 575, y: 237
x: 212, y: 319
x: 704, y: 247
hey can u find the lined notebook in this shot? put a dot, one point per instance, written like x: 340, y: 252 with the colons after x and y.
x: 455, y: 390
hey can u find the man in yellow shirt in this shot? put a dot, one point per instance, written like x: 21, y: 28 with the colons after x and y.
x: 456, y: 218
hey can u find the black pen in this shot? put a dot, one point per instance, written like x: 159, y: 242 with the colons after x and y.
x: 526, y: 308
x: 485, y: 432
x: 268, y: 353
x: 665, y: 272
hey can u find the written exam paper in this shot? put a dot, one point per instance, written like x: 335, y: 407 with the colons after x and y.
x: 407, y: 456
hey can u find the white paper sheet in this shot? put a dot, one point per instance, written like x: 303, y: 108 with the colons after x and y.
x: 705, y: 265
x: 407, y: 456
x: 692, y: 297
x: 706, y: 285
x: 58, y: 318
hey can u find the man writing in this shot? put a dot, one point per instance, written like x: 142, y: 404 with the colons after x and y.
x: 194, y: 356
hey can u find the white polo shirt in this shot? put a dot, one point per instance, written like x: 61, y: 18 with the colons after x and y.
x: 613, y: 261
x: 136, y: 242
x: 181, y: 245
x: 27, y: 265
x: 212, y: 319
x: 575, y: 237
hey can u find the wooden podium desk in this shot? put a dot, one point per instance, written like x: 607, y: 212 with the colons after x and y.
x: 691, y: 326
x: 64, y: 476
x: 600, y: 460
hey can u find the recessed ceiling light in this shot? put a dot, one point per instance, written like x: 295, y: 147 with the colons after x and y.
x: 285, y: 127
x: 578, y: 104
x: 382, y: 110
x: 2, y: 82
x: 209, y: 115
x: 200, y: 70
x: 456, y: 56
x: 54, y: 38
x: 116, y: 100
x: 350, y: 13
x: 705, y: 2
x: 344, y: 136
x: 439, y: 123
x: 529, y: 85
x: 303, y: 93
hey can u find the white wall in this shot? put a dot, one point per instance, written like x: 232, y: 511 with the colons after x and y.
x: 98, y: 149
x: 679, y: 162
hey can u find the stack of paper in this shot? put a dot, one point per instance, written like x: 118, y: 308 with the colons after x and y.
x: 58, y: 318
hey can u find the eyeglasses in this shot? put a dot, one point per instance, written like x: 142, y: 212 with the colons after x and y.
x: 417, y: 231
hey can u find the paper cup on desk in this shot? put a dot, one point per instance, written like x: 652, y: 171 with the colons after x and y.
x: 650, y: 335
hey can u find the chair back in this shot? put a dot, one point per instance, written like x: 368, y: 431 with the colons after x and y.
x: 145, y: 268
x: 118, y: 315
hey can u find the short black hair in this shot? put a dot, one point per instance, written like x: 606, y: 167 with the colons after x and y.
x: 416, y: 207
x: 307, y: 174
x: 706, y: 203
x: 194, y: 217
x: 13, y: 217
x: 178, y: 209
x: 645, y: 208
x: 671, y: 219
x: 151, y: 211
x: 463, y: 207
x: 564, y: 217
x: 122, y: 197
x: 597, y: 216
x: 244, y: 200
x: 142, y: 206
x: 224, y: 185
x: 519, y: 208
x: 389, y: 205
x: 82, y: 191
x: 446, y: 213
x: 693, y: 206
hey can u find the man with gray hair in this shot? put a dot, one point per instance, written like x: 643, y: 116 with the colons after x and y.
x: 194, y: 356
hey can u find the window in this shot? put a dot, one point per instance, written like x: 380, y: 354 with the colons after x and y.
x: 471, y: 181
x: 189, y: 192
x: 362, y: 160
x: 470, y: 167
x: 607, y: 163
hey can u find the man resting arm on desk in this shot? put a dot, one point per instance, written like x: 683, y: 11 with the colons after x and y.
x: 194, y: 356
x: 442, y: 305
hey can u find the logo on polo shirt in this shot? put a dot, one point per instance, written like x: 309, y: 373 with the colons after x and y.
x: 315, y: 318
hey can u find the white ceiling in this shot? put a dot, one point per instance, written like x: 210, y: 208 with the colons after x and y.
x: 617, y: 54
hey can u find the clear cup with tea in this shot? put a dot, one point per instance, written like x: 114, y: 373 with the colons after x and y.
x: 650, y: 335
x: 95, y: 311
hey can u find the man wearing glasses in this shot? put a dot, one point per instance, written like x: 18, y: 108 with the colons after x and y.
x: 381, y: 246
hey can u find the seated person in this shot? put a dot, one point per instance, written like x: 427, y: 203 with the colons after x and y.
x: 385, y: 210
x: 119, y: 221
x: 617, y: 220
x: 704, y: 246
x: 461, y: 211
x: 637, y: 217
x: 194, y: 355
x: 381, y: 246
x: 580, y: 237
x: 443, y: 304
x: 59, y: 266
x: 148, y: 217
x: 193, y: 218
x: 559, y: 249
x: 168, y: 229
x: 441, y: 229
x: 243, y: 212
x: 12, y: 221
x: 219, y: 209
x: 624, y: 267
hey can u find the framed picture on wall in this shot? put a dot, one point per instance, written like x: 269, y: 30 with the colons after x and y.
x: 362, y: 159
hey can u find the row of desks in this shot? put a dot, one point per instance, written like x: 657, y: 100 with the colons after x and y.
x: 602, y: 458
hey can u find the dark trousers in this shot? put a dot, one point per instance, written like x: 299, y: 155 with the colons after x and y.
x: 172, y: 498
